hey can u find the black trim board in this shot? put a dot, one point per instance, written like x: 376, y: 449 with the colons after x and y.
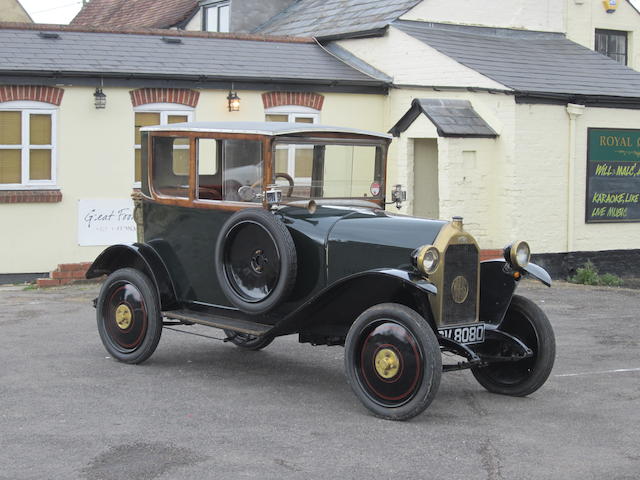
x: 624, y: 263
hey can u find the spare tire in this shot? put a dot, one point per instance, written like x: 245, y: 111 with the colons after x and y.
x: 256, y: 260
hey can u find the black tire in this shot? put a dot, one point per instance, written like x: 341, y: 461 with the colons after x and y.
x: 256, y: 260
x: 247, y: 341
x: 128, y: 315
x: 525, y: 321
x: 392, y: 361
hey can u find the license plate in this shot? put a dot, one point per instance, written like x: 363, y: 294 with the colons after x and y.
x: 465, y: 334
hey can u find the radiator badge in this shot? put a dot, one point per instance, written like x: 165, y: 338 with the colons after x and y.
x: 459, y: 289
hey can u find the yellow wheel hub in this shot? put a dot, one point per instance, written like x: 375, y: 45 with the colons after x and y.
x: 387, y: 363
x: 123, y: 317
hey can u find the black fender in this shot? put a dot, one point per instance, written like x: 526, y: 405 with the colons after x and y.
x: 142, y: 257
x: 498, y: 282
x: 336, y: 307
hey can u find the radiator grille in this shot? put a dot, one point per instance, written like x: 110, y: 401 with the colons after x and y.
x: 460, y: 261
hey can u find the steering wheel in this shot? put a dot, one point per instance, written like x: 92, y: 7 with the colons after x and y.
x: 286, y: 176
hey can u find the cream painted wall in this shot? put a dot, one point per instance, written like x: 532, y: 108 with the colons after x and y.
x: 95, y: 160
x: 585, y: 16
x: 472, y: 173
x: 12, y: 11
x: 541, y: 163
x: 544, y: 15
x: 412, y: 62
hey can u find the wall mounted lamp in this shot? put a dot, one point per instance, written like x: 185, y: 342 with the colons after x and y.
x: 99, y: 98
x: 234, y: 101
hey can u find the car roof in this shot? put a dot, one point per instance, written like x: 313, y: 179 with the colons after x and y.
x: 259, y: 128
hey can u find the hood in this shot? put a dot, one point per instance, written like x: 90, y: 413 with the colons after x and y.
x: 366, y: 240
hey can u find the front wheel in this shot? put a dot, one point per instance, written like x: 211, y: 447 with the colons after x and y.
x: 527, y: 322
x: 128, y: 314
x: 393, y: 361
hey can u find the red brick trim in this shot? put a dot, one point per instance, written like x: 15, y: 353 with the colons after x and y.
x: 35, y: 93
x: 182, y: 96
x: 490, y: 254
x: 30, y: 196
x: 304, y: 99
x: 65, y: 274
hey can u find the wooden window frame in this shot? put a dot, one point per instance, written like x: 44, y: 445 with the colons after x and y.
x: 28, y: 108
x: 293, y: 112
x: 165, y: 110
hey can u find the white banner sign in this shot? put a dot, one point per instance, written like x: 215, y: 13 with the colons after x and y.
x: 105, y: 222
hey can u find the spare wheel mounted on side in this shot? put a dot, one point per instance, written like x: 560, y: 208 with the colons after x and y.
x: 256, y: 260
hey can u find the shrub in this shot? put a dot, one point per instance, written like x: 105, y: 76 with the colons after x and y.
x: 588, y: 275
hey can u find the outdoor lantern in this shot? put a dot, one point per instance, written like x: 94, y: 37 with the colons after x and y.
x: 234, y: 101
x: 99, y: 98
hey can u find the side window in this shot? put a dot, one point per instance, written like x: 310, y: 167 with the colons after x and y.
x: 27, y: 145
x: 155, y: 114
x: 242, y: 173
x: 294, y: 160
x: 209, y: 173
x: 170, y: 168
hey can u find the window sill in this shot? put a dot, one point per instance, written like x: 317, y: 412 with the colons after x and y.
x: 30, y: 196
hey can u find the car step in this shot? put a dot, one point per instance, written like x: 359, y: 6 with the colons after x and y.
x: 218, y: 321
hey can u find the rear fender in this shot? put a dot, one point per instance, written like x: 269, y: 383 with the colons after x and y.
x: 142, y: 257
x: 335, y: 308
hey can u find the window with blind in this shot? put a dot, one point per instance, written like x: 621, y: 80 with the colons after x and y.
x: 27, y: 149
x: 294, y: 160
x: 159, y: 115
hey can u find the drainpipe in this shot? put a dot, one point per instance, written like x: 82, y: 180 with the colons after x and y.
x: 574, y: 112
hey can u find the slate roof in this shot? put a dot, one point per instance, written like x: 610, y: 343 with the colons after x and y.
x: 529, y: 62
x: 329, y: 18
x: 135, y: 13
x: 452, y: 118
x: 199, y: 56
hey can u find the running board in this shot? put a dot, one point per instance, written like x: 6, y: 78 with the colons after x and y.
x: 218, y: 321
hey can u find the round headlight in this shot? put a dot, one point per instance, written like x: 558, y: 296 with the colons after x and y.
x: 428, y: 259
x: 519, y: 254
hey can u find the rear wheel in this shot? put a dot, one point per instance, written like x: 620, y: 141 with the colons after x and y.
x: 128, y: 315
x: 529, y: 324
x: 247, y: 341
x: 392, y: 361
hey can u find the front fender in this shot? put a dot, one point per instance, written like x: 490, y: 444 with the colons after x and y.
x: 142, y: 257
x: 336, y: 307
x: 498, y: 284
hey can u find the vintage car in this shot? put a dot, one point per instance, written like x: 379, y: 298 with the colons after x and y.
x: 271, y: 229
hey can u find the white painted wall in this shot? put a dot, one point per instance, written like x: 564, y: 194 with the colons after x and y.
x: 412, y: 62
x: 543, y: 15
x: 95, y: 160
x: 585, y: 16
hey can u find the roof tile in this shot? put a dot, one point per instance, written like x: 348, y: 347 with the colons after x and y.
x: 135, y: 13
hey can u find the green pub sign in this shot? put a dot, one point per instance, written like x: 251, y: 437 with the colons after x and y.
x: 613, y: 175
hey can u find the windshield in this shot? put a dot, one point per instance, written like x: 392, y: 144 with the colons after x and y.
x: 323, y: 170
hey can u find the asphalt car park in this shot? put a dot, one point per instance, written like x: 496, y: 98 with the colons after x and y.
x: 206, y: 409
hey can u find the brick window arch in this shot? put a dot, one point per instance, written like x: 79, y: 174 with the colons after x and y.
x: 181, y: 96
x: 303, y: 99
x: 33, y: 93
